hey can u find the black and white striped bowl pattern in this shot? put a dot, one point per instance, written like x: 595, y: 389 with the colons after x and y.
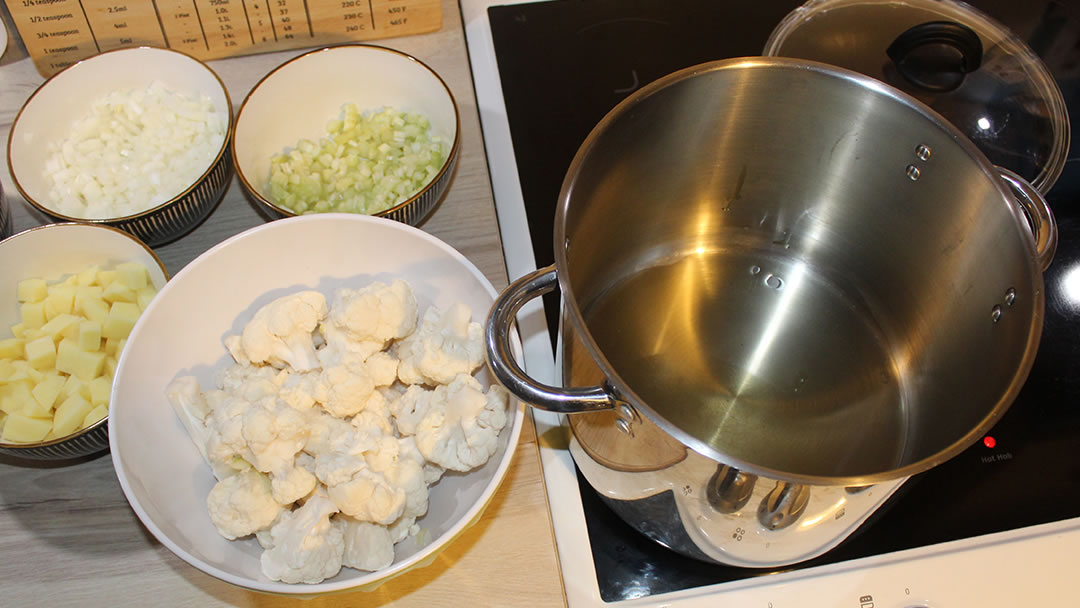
x: 175, y: 218
x: 89, y: 441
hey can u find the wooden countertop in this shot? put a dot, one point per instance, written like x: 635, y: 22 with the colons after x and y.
x: 68, y: 536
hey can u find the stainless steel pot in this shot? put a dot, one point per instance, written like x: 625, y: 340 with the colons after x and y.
x: 794, y: 271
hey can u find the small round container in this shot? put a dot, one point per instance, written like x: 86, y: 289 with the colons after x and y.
x: 297, y: 99
x: 52, y: 252
x: 48, y: 115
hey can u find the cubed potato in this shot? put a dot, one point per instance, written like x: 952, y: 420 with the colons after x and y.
x: 110, y: 365
x: 95, y: 309
x: 24, y: 371
x: 11, y: 348
x: 117, y: 291
x: 104, y: 277
x: 79, y: 363
x: 16, y: 397
x: 48, y: 390
x: 33, y: 314
x: 132, y: 274
x: 6, y: 369
x: 122, y: 317
x: 89, y: 336
x: 87, y: 277
x: 24, y: 429
x: 18, y: 329
x: 70, y: 414
x: 84, y: 292
x: 60, y: 301
x: 32, y: 290
x: 100, y: 388
x: 144, y: 296
x: 41, y: 353
x: 62, y: 326
x: 72, y: 386
x: 99, y: 412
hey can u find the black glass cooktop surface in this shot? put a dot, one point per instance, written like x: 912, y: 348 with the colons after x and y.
x: 564, y: 64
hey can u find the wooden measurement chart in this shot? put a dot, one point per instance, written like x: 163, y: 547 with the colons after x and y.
x: 58, y: 33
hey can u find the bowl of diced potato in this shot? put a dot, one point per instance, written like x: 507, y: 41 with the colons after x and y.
x: 69, y: 296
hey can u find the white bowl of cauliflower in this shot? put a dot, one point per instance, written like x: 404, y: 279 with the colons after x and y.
x: 305, y: 407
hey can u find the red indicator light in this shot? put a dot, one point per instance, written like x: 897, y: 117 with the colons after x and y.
x: 989, y: 441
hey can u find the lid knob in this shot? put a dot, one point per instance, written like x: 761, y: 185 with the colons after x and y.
x: 936, y: 55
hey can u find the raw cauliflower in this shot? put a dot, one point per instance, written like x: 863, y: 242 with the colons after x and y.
x: 456, y: 426
x: 242, y: 504
x: 446, y: 344
x: 368, y: 546
x: 305, y: 547
x: 365, y: 320
x: 280, y: 334
x: 320, y: 452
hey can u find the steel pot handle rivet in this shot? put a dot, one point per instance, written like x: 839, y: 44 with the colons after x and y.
x: 507, y: 370
x: 1041, y: 218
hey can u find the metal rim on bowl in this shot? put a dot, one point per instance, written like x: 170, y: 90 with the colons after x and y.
x: 413, y: 210
x: 94, y: 438
x: 176, y: 216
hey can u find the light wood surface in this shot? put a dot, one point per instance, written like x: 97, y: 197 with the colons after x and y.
x: 67, y: 534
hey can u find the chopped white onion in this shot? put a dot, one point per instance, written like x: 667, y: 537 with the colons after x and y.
x: 133, y: 151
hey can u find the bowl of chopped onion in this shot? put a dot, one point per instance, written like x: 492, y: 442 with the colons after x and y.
x: 135, y: 138
x: 69, y: 295
x: 354, y: 128
x: 326, y: 423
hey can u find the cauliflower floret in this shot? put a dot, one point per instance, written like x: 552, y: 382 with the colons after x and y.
x: 280, y: 333
x: 226, y: 447
x: 242, y: 504
x: 343, y: 389
x: 368, y: 546
x: 369, y: 496
x: 375, y: 418
x: 298, y: 391
x: 291, y: 484
x: 325, y: 432
x: 305, y: 547
x: 274, y: 433
x: 356, y: 487
x: 463, y: 433
x: 446, y: 344
x: 412, y: 407
x: 186, y: 397
x: 432, y: 472
x: 251, y: 382
x: 363, y: 321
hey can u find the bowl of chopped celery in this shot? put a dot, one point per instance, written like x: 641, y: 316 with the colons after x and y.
x: 134, y: 138
x: 354, y: 128
x: 325, y: 424
x: 69, y: 295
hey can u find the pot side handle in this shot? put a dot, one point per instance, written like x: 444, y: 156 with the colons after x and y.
x: 1041, y: 218
x: 510, y: 374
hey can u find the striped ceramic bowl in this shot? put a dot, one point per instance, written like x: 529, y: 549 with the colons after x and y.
x: 52, y: 252
x: 296, y: 100
x: 47, y: 117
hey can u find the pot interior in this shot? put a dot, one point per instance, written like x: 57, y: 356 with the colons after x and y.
x: 798, y: 271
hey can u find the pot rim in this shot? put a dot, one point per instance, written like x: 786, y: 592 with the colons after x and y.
x: 623, y: 389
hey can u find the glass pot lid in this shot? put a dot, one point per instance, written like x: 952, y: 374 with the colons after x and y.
x: 969, y: 68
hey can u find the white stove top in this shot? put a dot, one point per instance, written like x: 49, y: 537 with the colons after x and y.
x: 1028, y: 567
